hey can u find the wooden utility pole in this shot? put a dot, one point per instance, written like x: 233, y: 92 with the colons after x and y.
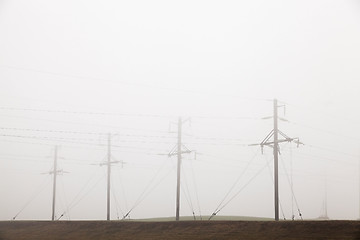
x: 178, y: 170
x: 108, y: 177
x: 108, y: 163
x: 55, y: 172
x: 178, y: 150
x: 276, y: 161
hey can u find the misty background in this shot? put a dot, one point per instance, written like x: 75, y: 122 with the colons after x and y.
x: 73, y: 71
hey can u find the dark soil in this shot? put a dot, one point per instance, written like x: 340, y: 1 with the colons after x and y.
x: 103, y: 230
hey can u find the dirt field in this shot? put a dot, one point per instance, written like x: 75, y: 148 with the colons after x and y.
x: 102, y: 230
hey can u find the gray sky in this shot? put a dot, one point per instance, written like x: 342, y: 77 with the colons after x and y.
x: 74, y: 70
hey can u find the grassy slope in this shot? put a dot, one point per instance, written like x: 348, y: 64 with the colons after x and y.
x: 102, y: 230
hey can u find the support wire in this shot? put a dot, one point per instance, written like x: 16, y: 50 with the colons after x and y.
x: 233, y: 186
x: 236, y: 194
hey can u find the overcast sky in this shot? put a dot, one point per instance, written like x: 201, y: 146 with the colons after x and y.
x: 73, y: 71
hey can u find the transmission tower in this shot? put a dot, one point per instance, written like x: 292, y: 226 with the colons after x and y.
x: 276, y: 150
x: 178, y: 150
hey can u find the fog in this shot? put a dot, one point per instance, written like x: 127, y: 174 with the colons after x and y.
x: 72, y: 72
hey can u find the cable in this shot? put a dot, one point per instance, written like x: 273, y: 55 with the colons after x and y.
x: 215, y: 138
x: 219, y: 157
x: 187, y: 194
x: 32, y: 198
x: 78, y: 199
x: 84, y: 123
x: 196, y: 189
x: 123, y: 192
x: 87, y: 113
x: 237, y: 180
x: 146, y: 192
x: 225, y: 118
x: 292, y: 190
x: 188, y: 200
x: 49, y: 138
x: 332, y: 150
x: 235, y: 195
x: 50, y: 131
x: 126, y: 114
x: 326, y: 158
x: 292, y: 182
x: 93, y: 133
x: 273, y: 182
x: 73, y: 142
x: 325, y: 131
x: 324, y: 113
x: 78, y: 139
x: 102, y: 80
x: 116, y: 201
x: 65, y: 199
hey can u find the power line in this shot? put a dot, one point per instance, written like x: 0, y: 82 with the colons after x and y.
x: 47, y: 138
x: 79, y: 132
x: 119, y: 134
x: 326, y: 158
x: 128, y: 114
x: 50, y: 131
x: 102, y: 80
x: 90, y: 145
x: 332, y: 150
x: 323, y: 130
x: 87, y: 113
x: 84, y: 123
x: 323, y: 113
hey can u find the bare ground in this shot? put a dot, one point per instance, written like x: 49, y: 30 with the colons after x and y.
x: 103, y: 230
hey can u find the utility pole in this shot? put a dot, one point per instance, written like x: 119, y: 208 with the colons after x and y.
x: 54, y: 184
x: 108, y: 163
x: 276, y: 150
x: 276, y: 161
x: 324, y: 212
x: 108, y: 177
x: 177, y: 150
x: 178, y: 170
x: 55, y: 172
x: 325, y: 200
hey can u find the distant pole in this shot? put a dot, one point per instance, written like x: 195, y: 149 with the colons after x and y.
x: 108, y: 176
x: 178, y: 170
x: 54, y: 184
x: 326, y: 210
x: 276, y: 160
